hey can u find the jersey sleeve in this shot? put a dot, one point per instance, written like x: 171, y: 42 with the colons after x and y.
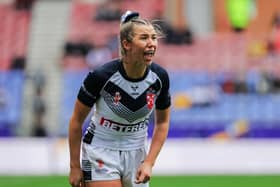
x: 90, y: 89
x: 164, y: 100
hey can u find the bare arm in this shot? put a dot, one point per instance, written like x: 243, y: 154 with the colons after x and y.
x: 159, y: 136
x: 75, y: 135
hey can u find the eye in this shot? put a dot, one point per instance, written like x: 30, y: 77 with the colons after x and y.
x: 154, y: 37
x: 144, y: 37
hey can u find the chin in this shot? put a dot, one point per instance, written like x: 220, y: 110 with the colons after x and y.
x: 148, y: 61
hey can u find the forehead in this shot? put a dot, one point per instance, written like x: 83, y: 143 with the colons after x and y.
x: 144, y: 29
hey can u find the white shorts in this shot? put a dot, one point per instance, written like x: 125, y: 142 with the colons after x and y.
x: 101, y: 164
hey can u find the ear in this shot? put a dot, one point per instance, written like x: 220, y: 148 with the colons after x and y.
x: 126, y: 45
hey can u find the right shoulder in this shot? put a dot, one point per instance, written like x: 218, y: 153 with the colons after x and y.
x: 95, y: 80
x: 104, y: 72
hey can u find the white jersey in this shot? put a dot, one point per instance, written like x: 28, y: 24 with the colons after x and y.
x: 122, y: 105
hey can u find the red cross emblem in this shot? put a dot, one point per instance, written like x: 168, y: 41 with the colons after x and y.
x: 150, y: 99
x: 100, y: 163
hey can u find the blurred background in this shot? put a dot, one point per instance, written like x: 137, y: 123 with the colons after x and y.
x: 223, y: 58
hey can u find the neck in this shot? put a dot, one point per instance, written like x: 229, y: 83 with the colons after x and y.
x: 134, y: 70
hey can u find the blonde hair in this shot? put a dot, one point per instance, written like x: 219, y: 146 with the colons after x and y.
x: 127, y: 30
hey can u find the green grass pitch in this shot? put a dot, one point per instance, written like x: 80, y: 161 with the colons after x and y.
x: 157, y: 181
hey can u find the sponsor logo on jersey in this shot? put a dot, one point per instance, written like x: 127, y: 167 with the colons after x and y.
x: 123, y: 127
x: 135, y: 93
x: 134, y: 87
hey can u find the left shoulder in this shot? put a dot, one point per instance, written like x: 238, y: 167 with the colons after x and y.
x: 159, y: 70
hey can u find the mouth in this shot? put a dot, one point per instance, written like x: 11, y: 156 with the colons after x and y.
x: 149, y: 53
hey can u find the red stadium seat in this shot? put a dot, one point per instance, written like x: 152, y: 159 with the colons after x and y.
x: 14, y: 30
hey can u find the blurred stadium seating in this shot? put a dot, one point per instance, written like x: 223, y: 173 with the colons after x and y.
x: 200, y: 108
x: 209, y: 61
x: 14, y: 32
x: 11, y: 86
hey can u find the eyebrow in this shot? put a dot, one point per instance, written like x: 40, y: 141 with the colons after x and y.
x: 145, y: 34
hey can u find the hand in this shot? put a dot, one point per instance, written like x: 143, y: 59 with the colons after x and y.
x: 144, y: 172
x: 76, y: 177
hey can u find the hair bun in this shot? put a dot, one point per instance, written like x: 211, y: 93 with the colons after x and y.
x: 128, y: 15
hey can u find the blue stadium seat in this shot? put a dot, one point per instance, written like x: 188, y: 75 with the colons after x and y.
x: 72, y: 81
x: 11, y: 89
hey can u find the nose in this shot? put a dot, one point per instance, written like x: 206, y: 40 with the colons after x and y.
x: 151, y: 42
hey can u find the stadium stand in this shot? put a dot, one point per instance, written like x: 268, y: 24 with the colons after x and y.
x: 202, y: 102
x: 72, y: 81
x: 14, y: 32
x: 227, y: 51
x: 11, y: 86
x: 201, y: 107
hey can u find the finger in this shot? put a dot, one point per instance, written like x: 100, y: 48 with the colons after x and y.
x: 83, y: 184
x: 140, y: 179
x: 138, y: 174
x: 137, y: 180
x: 72, y: 184
x: 76, y: 184
x: 146, y: 179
